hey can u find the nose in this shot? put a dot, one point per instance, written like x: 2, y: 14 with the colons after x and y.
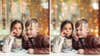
x: 67, y: 31
x: 16, y: 30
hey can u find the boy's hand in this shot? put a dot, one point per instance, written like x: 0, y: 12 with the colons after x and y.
x: 25, y: 37
x: 30, y: 51
x: 75, y: 35
x: 81, y: 51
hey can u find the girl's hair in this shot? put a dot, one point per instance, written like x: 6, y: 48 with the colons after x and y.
x: 64, y: 23
x: 29, y: 22
x: 14, y: 23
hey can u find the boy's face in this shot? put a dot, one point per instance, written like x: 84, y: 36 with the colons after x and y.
x: 67, y: 30
x: 32, y: 30
x: 81, y: 31
x: 16, y: 30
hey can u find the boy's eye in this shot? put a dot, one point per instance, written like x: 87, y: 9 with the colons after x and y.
x: 27, y: 29
x: 31, y: 29
x: 76, y: 30
x: 80, y: 29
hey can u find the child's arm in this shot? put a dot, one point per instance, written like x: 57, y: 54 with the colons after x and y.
x: 95, y: 44
x: 26, y: 44
x: 46, y: 46
x: 43, y: 49
x: 38, y: 51
x: 92, y: 51
x: 57, y: 46
x: 8, y: 44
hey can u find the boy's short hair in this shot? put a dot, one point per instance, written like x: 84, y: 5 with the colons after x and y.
x: 29, y: 22
x: 82, y: 22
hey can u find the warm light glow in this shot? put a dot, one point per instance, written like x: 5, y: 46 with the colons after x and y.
x: 97, y: 35
x: 91, y: 30
x: 95, y: 5
x: 44, y: 5
x: 96, y: 30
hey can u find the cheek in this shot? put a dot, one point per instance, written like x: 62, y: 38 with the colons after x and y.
x: 34, y: 32
x: 79, y: 33
x: 20, y: 31
x: 29, y: 32
x: 70, y: 31
x: 84, y: 32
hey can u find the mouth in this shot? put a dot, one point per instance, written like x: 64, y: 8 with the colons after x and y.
x: 15, y: 35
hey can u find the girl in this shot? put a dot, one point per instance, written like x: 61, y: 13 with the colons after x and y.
x: 13, y: 41
x: 63, y: 42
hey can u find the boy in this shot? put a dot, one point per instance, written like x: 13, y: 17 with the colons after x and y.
x: 34, y: 42
x: 85, y: 43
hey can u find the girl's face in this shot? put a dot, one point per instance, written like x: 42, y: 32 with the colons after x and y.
x: 67, y: 30
x: 32, y: 30
x: 16, y: 30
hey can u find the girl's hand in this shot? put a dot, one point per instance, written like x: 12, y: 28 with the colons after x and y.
x: 63, y: 34
x: 13, y: 33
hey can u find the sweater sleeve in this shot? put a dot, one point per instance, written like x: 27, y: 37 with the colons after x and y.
x: 8, y: 44
x: 95, y: 43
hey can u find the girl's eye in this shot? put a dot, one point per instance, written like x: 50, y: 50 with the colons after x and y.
x: 14, y: 28
x: 20, y: 28
x: 64, y: 28
x: 70, y: 28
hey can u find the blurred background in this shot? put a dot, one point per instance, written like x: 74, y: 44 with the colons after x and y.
x: 23, y: 10
x: 74, y: 10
